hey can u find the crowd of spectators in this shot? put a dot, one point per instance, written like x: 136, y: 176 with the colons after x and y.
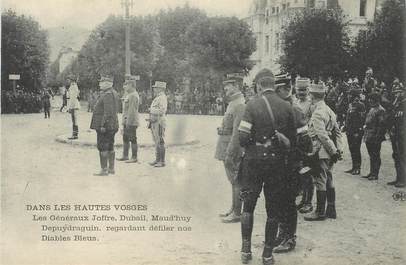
x: 21, y: 101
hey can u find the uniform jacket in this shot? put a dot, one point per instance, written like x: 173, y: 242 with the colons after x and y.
x: 399, y: 124
x: 305, y: 106
x: 130, y: 109
x: 375, y: 124
x: 73, y: 95
x: 323, y: 128
x: 105, y: 111
x: 369, y: 85
x: 158, y: 108
x: 256, y: 126
x: 228, y: 142
x: 355, y: 118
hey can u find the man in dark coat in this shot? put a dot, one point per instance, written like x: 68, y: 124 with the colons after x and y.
x: 354, y: 124
x: 267, y: 130
x: 375, y: 129
x: 46, y: 103
x: 105, y: 122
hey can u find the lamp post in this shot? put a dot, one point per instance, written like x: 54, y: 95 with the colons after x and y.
x: 127, y: 4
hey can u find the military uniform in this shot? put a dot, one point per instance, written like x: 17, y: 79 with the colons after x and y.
x: 397, y: 135
x: 130, y: 122
x: 158, y: 124
x: 265, y: 163
x: 375, y: 129
x: 74, y: 107
x: 229, y: 151
x: 354, y: 123
x: 326, y: 136
x: 105, y: 122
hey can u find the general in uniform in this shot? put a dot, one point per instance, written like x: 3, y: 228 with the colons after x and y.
x: 375, y: 129
x: 105, y: 122
x: 326, y: 137
x: 397, y: 135
x: 157, y: 122
x: 303, y: 101
x: 73, y: 106
x: 130, y: 121
x: 267, y: 130
x: 228, y: 147
x: 354, y: 124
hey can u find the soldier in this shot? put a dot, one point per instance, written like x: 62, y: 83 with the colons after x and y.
x: 326, y: 136
x: 354, y: 123
x: 375, y: 129
x: 397, y: 135
x: 73, y: 106
x: 157, y: 122
x: 130, y: 121
x: 369, y: 84
x: 46, y: 102
x: 286, y: 239
x: 267, y: 130
x: 105, y: 122
x: 304, y: 102
x: 228, y: 147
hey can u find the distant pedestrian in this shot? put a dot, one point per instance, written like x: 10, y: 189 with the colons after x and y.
x: 46, y: 103
x: 73, y: 106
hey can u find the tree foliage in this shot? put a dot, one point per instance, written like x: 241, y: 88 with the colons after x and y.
x: 316, y: 43
x: 24, y: 51
x: 382, y: 46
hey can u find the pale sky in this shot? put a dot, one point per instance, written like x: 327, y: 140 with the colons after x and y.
x: 89, y: 13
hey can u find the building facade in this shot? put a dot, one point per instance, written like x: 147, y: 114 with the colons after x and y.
x: 268, y: 17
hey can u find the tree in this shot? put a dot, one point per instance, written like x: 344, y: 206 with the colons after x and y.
x: 316, y: 43
x: 382, y: 46
x: 25, y: 51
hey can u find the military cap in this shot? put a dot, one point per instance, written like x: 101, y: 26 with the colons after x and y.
x: 399, y: 88
x: 302, y: 82
x: 319, y: 88
x: 264, y: 74
x: 233, y: 78
x: 159, y: 84
x: 282, y: 79
x: 369, y: 70
x: 106, y: 79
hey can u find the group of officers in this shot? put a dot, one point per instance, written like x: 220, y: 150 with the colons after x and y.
x: 105, y: 123
x: 287, y: 144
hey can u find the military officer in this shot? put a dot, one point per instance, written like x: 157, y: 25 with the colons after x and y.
x: 370, y: 83
x: 267, y: 131
x: 286, y: 239
x: 105, y: 122
x: 130, y: 121
x: 375, y: 129
x: 73, y: 106
x: 326, y: 136
x: 228, y: 147
x: 304, y: 102
x: 158, y: 122
x: 354, y: 124
x: 397, y: 135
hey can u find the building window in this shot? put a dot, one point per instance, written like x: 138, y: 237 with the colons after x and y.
x: 267, y: 17
x: 277, y: 42
x: 273, y: 10
x: 267, y: 44
x: 277, y: 9
x: 283, y: 6
x: 310, y: 3
x: 362, y: 8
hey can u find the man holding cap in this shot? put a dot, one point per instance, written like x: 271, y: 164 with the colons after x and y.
x: 105, y: 122
x: 157, y: 122
x: 73, y: 106
x: 326, y: 137
x: 228, y: 147
x: 130, y: 120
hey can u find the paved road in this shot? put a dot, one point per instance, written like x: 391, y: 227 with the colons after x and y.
x: 35, y: 169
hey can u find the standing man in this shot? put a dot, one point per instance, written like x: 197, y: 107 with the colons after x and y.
x: 375, y: 129
x: 267, y: 131
x: 326, y: 137
x: 46, y: 102
x: 73, y: 106
x: 130, y: 121
x: 354, y: 124
x: 105, y: 122
x: 397, y: 135
x: 157, y: 122
x: 369, y: 82
x: 304, y: 102
x: 228, y: 147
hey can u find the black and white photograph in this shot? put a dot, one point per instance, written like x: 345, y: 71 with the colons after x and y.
x: 199, y: 132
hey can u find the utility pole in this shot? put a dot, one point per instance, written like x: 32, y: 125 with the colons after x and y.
x: 127, y: 4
